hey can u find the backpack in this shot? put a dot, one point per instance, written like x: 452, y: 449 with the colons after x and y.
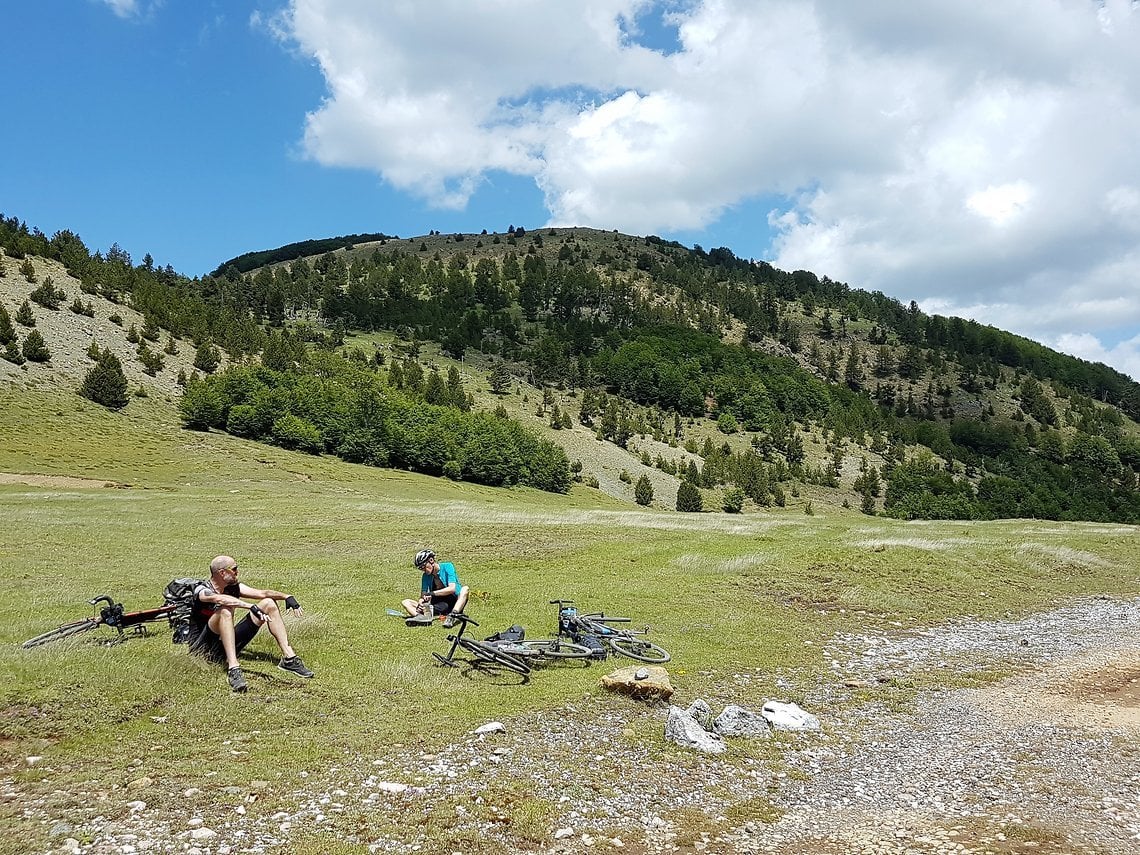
x: 515, y: 633
x: 180, y: 594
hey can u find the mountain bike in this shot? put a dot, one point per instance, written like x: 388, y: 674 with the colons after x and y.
x: 106, y: 613
x: 628, y: 642
x: 483, y: 651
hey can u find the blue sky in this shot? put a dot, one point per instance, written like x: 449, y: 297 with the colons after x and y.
x: 976, y: 157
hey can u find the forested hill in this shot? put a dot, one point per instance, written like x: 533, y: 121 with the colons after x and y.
x: 915, y: 415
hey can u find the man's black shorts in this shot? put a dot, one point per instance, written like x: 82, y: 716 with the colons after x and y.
x: 444, y: 605
x: 208, y: 644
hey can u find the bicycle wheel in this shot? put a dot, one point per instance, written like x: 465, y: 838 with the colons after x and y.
x: 638, y: 648
x: 553, y: 648
x: 487, y: 652
x: 60, y: 632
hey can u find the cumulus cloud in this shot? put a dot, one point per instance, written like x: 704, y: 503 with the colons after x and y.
x: 974, y: 156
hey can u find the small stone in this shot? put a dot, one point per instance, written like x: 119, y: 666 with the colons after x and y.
x: 190, y: 793
x: 203, y: 833
x: 136, y: 806
x: 490, y: 727
x: 563, y: 833
x: 33, y: 760
x: 140, y: 783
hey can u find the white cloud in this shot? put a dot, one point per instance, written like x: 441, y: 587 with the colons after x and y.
x: 970, y: 154
x: 123, y: 8
x: 133, y: 8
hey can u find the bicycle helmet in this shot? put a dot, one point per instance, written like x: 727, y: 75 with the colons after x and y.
x: 423, y: 557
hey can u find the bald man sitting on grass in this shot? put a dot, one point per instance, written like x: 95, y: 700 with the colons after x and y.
x: 216, y: 636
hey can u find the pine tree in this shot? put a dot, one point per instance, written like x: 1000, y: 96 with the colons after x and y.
x: 7, y: 331
x: 12, y: 352
x: 689, y: 498
x: 434, y: 390
x: 207, y: 358
x: 643, y: 491
x: 105, y: 383
x: 24, y: 316
x: 35, y: 350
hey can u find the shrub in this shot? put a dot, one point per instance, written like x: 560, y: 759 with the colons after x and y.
x: 200, y: 406
x: 243, y: 421
x: 105, y: 382
x: 294, y: 432
x: 727, y: 423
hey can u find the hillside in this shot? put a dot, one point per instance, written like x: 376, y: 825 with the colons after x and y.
x: 640, y: 357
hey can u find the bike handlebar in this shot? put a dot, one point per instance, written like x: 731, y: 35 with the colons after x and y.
x: 103, y: 598
x: 561, y: 602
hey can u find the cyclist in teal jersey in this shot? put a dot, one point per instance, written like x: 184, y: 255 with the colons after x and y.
x: 439, y: 588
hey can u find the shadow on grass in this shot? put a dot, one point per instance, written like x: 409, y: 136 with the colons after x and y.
x: 485, y: 673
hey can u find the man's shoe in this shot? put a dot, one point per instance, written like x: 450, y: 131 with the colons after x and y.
x: 418, y: 620
x: 294, y: 665
x: 237, y: 679
x: 450, y: 621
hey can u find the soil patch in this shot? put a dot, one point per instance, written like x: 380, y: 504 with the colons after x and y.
x: 65, y: 481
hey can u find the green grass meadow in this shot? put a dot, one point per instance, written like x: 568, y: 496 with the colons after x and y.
x: 725, y: 594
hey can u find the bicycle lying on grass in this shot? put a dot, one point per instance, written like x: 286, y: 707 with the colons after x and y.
x: 628, y: 642
x: 111, y: 614
x: 540, y: 651
x: 484, y: 651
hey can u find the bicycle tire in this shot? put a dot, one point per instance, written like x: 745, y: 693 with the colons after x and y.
x: 639, y: 649
x: 60, y: 632
x: 488, y: 653
x: 554, y: 648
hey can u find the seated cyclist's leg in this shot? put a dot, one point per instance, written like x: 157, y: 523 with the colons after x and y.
x: 221, y: 641
x: 445, y: 605
x: 461, y: 599
x: 276, y: 627
x: 412, y: 607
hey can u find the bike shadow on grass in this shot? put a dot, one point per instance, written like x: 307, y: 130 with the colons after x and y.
x: 487, y: 673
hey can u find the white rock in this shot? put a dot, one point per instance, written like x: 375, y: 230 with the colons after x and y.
x: 203, y: 833
x: 490, y: 727
x: 563, y: 833
x: 687, y: 732
x: 136, y: 806
x: 788, y: 716
x: 391, y: 787
x: 33, y: 760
